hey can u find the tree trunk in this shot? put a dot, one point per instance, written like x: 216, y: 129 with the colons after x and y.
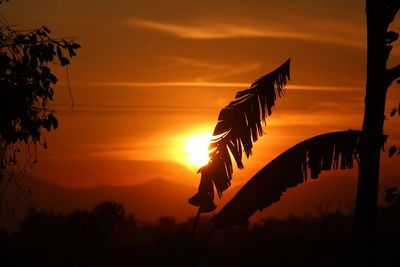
x: 372, y: 137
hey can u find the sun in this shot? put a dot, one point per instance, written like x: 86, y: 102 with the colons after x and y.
x: 196, y: 149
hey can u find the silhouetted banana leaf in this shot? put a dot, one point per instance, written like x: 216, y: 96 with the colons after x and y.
x: 323, y: 152
x: 239, y: 125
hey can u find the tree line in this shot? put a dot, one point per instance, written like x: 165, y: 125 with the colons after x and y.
x: 107, y: 236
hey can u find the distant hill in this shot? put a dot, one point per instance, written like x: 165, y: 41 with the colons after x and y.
x: 147, y: 201
x: 160, y: 197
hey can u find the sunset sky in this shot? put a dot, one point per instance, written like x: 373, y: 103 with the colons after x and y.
x: 151, y: 74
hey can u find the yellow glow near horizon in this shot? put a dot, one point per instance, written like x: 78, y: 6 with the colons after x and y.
x: 196, y: 149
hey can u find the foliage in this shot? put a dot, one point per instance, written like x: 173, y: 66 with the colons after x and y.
x: 238, y: 127
x: 108, y: 213
x: 324, y: 152
x: 392, y: 196
x: 290, y: 168
x: 393, y: 149
x: 26, y: 88
x: 77, y: 239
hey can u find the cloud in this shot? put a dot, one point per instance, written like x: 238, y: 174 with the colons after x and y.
x: 318, y: 30
x: 218, y: 71
x: 213, y: 31
x: 216, y: 84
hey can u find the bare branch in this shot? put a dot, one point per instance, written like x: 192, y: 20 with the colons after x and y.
x: 387, y: 51
x: 393, y: 74
x: 392, y: 7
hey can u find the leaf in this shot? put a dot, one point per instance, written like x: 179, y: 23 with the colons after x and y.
x: 35, y: 133
x: 53, y: 120
x: 33, y: 38
x: 64, y: 61
x: 40, y: 33
x: 25, y: 59
x: 46, y: 29
x: 53, y: 79
x: 391, y: 37
x: 76, y: 46
x: 389, y: 197
x: 59, y: 53
x: 324, y: 152
x: 46, y: 124
x: 20, y: 38
x: 391, y: 190
x: 392, y: 150
x: 393, y: 112
x: 238, y: 127
x: 71, y: 51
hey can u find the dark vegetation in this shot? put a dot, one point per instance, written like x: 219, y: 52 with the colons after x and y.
x: 239, y: 126
x: 27, y: 80
x: 107, y: 236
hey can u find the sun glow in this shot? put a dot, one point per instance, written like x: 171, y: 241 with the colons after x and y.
x: 196, y: 149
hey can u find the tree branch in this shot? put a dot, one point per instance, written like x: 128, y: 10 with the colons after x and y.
x: 387, y: 51
x: 393, y: 7
x: 393, y: 74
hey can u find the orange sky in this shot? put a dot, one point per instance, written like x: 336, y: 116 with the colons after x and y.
x: 152, y: 73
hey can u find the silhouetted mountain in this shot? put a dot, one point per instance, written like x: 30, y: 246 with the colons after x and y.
x: 160, y: 197
x: 148, y: 201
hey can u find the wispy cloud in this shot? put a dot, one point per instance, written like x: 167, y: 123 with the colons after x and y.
x: 211, y: 71
x: 215, y: 84
x: 213, y: 31
x: 312, y: 30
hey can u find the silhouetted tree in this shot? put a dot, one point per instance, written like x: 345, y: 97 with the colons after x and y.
x: 106, y: 214
x: 238, y: 127
x: 380, y: 14
x: 47, y: 238
x: 166, y: 224
x: 111, y: 210
x: 317, y: 153
x: 26, y: 88
x: 320, y: 153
